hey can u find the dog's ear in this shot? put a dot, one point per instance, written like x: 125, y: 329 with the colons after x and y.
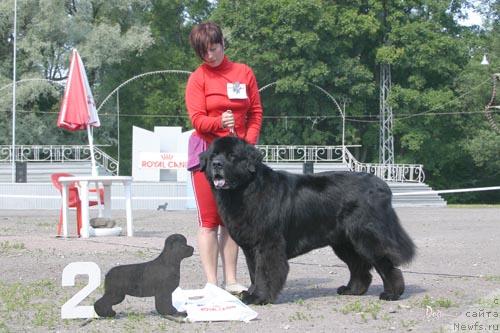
x: 168, y: 242
x: 254, y: 158
x: 204, y: 160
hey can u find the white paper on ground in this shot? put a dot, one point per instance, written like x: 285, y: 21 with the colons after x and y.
x: 211, y: 304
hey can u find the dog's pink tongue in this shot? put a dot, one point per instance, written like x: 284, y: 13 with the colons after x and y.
x: 219, y: 183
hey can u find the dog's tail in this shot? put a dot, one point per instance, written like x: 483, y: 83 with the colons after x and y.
x: 401, y: 249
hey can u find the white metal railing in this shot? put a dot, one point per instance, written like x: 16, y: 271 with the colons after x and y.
x: 341, y: 154
x: 58, y: 153
x: 316, y: 154
x: 271, y: 153
x: 107, y: 162
x: 390, y: 172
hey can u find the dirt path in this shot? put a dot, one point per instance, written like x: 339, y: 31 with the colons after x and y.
x: 453, y: 285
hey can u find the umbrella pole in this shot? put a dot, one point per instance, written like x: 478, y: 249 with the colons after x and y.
x: 91, y: 145
x: 94, y: 168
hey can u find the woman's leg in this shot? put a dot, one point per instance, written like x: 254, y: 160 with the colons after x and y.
x: 229, y: 256
x: 209, y: 250
x: 208, y: 226
x: 209, y: 243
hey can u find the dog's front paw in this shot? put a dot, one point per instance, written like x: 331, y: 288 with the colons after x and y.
x: 182, y: 314
x: 248, y: 298
x: 103, y: 310
x: 385, y: 296
x: 178, y: 317
x: 344, y: 290
x: 106, y: 313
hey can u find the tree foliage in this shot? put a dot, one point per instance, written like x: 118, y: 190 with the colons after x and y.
x: 104, y: 32
x: 434, y: 64
x: 304, y: 53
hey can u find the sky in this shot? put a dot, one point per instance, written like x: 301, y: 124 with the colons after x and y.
x: 473, y: 19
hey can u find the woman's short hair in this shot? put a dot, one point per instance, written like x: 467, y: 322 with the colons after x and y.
x: 204, y: 34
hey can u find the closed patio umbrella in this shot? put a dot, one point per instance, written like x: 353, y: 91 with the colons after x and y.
x: 78, y: 111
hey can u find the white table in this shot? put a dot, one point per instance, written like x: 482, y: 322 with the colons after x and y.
x: 106, y: 181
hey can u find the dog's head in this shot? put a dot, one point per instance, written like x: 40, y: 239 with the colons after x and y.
x: 176, y: 245
x: 229, y: 163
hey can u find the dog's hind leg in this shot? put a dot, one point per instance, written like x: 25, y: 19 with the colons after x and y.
x: 104, y: 306
x: 359, y: 269
x: 394, y: 284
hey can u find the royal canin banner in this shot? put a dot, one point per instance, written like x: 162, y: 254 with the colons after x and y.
x: 163, y: 161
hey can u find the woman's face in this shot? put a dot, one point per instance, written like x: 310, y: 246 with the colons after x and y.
x: 215, y: 55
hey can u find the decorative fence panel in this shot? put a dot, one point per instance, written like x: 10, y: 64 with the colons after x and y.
x: 271, y: 153
x: 58, y: 153
x: 341, y: 154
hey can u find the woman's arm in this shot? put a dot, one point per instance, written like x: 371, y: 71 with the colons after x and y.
x: 254, y: 114
x: 196, y: 106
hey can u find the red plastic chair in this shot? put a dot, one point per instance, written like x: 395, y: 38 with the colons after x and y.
x: 73, y: 199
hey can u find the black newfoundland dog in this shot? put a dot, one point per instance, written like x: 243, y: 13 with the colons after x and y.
x: 158, y: 278
x: 274, y: 216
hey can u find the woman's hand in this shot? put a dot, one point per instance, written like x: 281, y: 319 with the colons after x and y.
x: 228, y: 119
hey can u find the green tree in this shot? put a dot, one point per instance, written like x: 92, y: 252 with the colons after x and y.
x: 481, y: 139
x: 340, y: 47
x: 300, y: 44
x: 439, y: 88
x: 438, y: 72
x: 156, y: 100
x: 104, y: 32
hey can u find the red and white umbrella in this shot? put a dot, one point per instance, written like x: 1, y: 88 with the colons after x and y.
x: 78, y: 111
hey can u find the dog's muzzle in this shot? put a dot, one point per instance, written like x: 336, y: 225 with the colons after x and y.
x: 189, y: 251
x: 218, y: 174
x: 219, y: 182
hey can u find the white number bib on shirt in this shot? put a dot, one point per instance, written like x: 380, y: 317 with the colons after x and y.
x: 236, y: 90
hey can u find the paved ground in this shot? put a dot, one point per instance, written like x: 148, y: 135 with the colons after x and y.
x: 453, y: 284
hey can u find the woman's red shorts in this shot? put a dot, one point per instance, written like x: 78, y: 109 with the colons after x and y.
x: 208, y: 217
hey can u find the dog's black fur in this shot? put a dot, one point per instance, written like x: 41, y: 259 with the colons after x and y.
x: 274, y: 216
x: 158, y: 278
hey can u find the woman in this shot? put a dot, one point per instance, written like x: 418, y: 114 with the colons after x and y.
x: 222, y: 98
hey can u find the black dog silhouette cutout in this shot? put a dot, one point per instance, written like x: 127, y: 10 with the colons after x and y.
x: 158, y: 278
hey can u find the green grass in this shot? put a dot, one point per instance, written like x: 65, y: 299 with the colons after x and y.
x: 371, y: 308
x: 441, y: 330
x: 436, y: 303
x: 493, y: 278
x: 299, y: 316
x: 36, y: 306
x: 28, y: 302
x: 299, y: 301
x: 18, y: 296
x: 8, y: 246
x: 45, y: 224
x: 490, y: 302
x: 3, y: 327
x: 408, y: 323
x: 146, y: 254
x: 45, y: 315
x: 473, y: 205
x: 134, y: 321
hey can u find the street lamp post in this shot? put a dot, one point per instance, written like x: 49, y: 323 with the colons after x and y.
x: 13, y: 154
